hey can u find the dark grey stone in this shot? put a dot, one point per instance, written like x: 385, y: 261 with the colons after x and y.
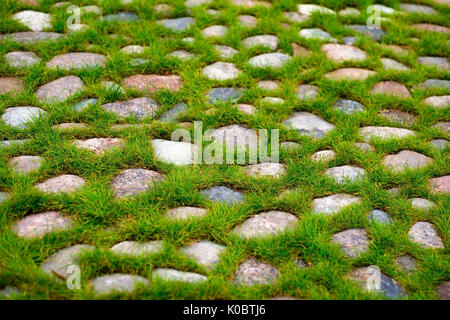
x: 121, y: 17
x: 84, y: 104
x: 375, y: 34
x: 348, y: 106
x: 179, y: 24
x: 224, y: 95
x: 380, y: 217
x: 173, y: 114
x: 223, y: 194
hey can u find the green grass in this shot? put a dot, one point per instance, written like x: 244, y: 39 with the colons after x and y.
x: 102, y: 221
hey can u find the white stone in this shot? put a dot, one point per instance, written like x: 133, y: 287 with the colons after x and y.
x: 174, y: 152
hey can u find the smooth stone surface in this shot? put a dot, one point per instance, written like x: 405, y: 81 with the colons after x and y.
x: 121, y: 17
x: 430, y: 27
x: 31, y: 37
x: 406, y: 159
x: 350, y: 74
x: 153, y: 83
x: 223, y: 194
x: 59, y: 90
x: 177, y: 276
x: 37, y: 225
x: 224, y: 95
x: 12, y: 86
x: 438, y: 102
x: 375, y: 34
x: 221, y: 71
x: 205, y: 253
x: 299, y: 51
x: 100, y: 145
x: 9, y: 292
x: 353, y: 242
x: 348, y: 106
x: 334, y: 203
x: 384, y: 133
x: 21, y: 59
x: 3, y: 196
x: 309, y: 9
x: 247, y: 21
x: 117, y: 283
x: 266, y: 224
x: 77, y: 61
x: 137, y: 249
x: 317, y: 34
x: 59, y: 264
x: 70, y: 126
x: 406, y: 263
x: 443, y: 290
x: 275, y: 170
x: 25, y: 164
x: 441, y: 184
x: 252, y: 272
x: 307, y: 92
x: 345, y: 174
x: 179, y: 24
x: 132, y: 182
x: 182, y: 55
x: 34, y: 20
x: 269, y: 60
x: 368, y: 278
x: 391, y: 88
x: 363, y: 147
x: 397, y: 116
x: 439, y: 144
x: 234, y: 135
x: 20, y: 117
x: 10, y: 143
x: 341, y: 53
x: 246, y: 108
x: 268, y: 85
x: 309, y: 124
x: 380, y: 217
x: 185, y: 213
x: 133, y: 49
x: 391, y: 64
x: 417, y: 8
x: 349, y: 12
x: 140, y: 108
x: 174, y: 152
x: 443, y: 126
x: 267, y: 41
x: 173, y: 114
x: 435, y: 84
x: 62, y: 183
x: 225, y: 52
x: 295, y: 17
x: 424, y: 234
x: 196, y: 3
x: 215, y: 31
x: 441, y: 63
x: 272, y: 100
x: 323, y: 156
x: 84, y: 104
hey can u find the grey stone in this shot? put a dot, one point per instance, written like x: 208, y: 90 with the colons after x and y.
x: 317, y: 34
x: 443, y: 290
x: 59, y: 264
x: 133, y: 49
x: 438, y: 102
x: 132, y: 182
x: 350, y: 41
x: 309, y: 9
x: 417, y: 8
x: 3, y: 196
x: 20, y: 117
x: 77, y: 61
x: 309, y: 124
x: 266, y: 224
x: 224, y: 95
x: 422, y: 204
x: 384, y: 133
x: 225, y: 52
x: 295, y: 17
x: 364, y: 146
x: 173, y: 114
x: 223, y: 194
x: 246, y: 108
x: 440, y: 184
x: 174, y: 152
x: 371, y: 279
x: 163, y: 9
x: 30, y: 37
x: 353, y: 242
x: 424, y: 234
x: 84, y: 104
x: 349, y: 12
x: 10, y: 143
x: 196, y: 3
x: 406, y: 159
x: 215, y: 31
x: 117, y: 283
x: 346, y: 173
x: 334, y: 203
x: 252, y: 272
x: 397, y: 116
x: 341, y: 53
x: 137, y: 249
x: 185, y: 213
x: 62, y: 183
x: 9, y: 292
x: 441, y: 63
x: 59, y: 90
x: 234, y: 135
x: 182, y: 55
x: 391, y: 88
x: 12, y: 86
x: 374, y: 33
x: 25, y: 164
x: 205, y: 253
x: 439, y: 144
x: 268, y: 41
x: 323, y: 156
x: 350, y: 74
x: 275, y: 170
x: 406, y: 263
x: 177, y: 276
x: 348, y: 106
x: 34, y: 20
x: 380, y: 217
x: 272, y: 100
x: 247, y: 21
x: 268, y: 85
x: 70, y: 126
x: 138, y: 107
x: 221, y: 71
x: 121, y: 17
x: 100, y: 145
x: 21, y: 59
x: 37, y: 225
x: 179, y: 24
x: 269, y: 60
x: 435, y: 84
x: 307, y: 92
x: 391, y: 64
x: 443, y: 126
